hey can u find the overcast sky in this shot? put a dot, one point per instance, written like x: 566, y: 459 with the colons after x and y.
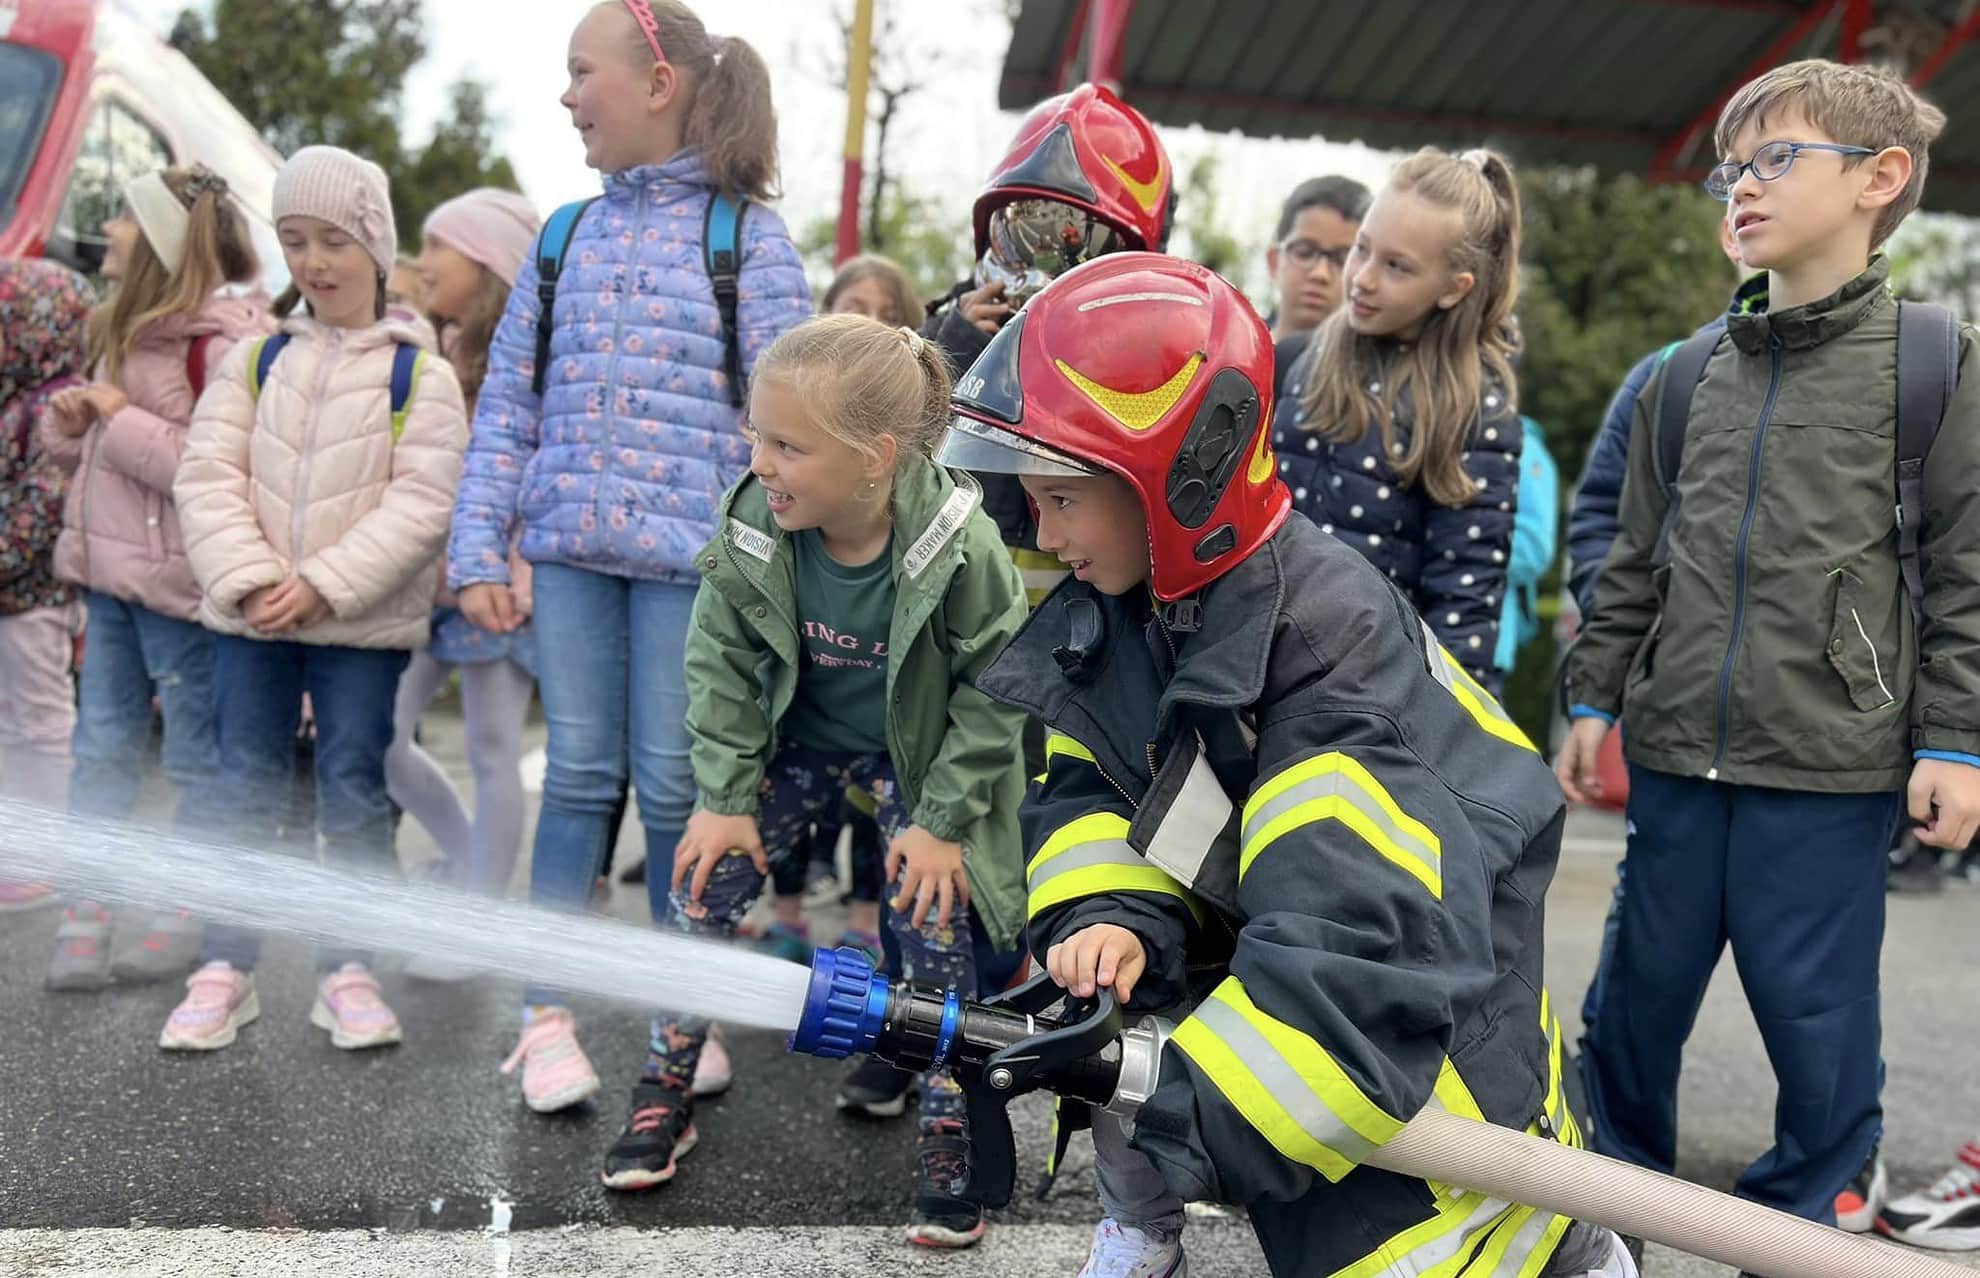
x: 944, y: 150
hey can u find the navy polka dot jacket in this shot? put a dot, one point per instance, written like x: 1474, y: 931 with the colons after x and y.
x: 1451, y: 562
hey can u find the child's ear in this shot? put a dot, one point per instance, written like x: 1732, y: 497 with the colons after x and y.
x: 886, y: 451
x: 1461, y: 285
x: 1890, y: 172
x: 660, y: 90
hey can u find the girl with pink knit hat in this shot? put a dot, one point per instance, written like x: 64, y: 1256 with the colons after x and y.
x: 473, y: 245
x: 315, y: 491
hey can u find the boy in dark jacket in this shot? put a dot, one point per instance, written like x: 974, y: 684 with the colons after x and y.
x: 1263, y: 770
x: 1757, y: 635
x: 1086, y: 175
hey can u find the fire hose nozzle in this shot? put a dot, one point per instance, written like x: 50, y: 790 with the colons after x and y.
x: 1032, y: 1038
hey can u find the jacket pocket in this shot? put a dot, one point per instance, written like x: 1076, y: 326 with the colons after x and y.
x: 1644, y: 665
x: 1858, y: 651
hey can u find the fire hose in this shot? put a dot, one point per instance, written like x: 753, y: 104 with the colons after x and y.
x: 1034, y: 1038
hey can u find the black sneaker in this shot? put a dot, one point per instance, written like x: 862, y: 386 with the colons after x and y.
x: 875, y: 1089
x: 659, y: 1131
x: 941, y: 1218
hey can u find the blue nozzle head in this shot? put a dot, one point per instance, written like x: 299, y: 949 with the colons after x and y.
x: 844, y: 1008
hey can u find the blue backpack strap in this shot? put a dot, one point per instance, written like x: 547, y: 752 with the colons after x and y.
x: 265, y: 352
x: 408, y: 361
x: 551, y: 246
x: 1927, y: 373
x: 721, y: 236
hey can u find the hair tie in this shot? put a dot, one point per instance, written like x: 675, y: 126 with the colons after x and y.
x: 200, y: 180
x: 914, y: 341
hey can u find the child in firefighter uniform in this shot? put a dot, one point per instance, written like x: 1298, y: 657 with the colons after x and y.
x: 1261, y: 761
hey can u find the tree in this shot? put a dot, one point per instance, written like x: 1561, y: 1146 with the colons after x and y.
x: 334, y: 71
x: 1936, y: 258
x: 460, y: 156
x: 1198, y: 234
x: 1613, y: 268
x: 931, y: 248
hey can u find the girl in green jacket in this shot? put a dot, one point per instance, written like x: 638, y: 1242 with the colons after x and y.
x: 851, y: 595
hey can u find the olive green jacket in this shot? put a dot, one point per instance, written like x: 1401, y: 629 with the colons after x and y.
x: 958, y: 600
x: 1774, y: 644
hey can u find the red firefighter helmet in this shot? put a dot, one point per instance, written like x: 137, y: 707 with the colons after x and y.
x: 1155, y: 369
x: 1091, y: 150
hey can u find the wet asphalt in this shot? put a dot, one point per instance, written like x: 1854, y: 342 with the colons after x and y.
x: 99, y: 1128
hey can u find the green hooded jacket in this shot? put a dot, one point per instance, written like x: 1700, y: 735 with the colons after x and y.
x: 958, y: 600
x: 1774, y: 645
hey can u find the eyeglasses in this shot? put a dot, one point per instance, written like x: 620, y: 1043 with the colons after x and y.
x: 649, y: 26
x: 1306, y: 255
x: 1768, y: 163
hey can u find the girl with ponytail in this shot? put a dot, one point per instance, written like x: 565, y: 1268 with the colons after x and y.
x: 887, y: 590
x: 153, y: 346
x: 612, y: 457
x: 1398, y: 433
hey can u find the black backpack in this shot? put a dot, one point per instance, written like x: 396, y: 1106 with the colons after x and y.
x: 1927, y: 374
x: 721, y: 254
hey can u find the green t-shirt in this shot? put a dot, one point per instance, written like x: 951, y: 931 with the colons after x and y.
x: 844, y: 617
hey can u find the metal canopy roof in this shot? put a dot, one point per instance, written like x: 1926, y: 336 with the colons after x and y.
x: 1623, y: 85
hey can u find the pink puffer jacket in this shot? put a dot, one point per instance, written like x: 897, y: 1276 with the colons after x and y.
x: 120, y: 531
x: 309, y: 480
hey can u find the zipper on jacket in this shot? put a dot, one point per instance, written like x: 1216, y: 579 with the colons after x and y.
x: 612, y: 364
x: 301, y: 500
x: 1739, y: 557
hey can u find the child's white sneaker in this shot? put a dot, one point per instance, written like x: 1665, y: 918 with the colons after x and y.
x: 1122, y: 1251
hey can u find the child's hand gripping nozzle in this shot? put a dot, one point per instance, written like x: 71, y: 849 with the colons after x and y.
x: 1029, y: 1039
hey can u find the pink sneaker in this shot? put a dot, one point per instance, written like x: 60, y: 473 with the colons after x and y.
x: 714, y: 1071
x: 219, y: 1000
x: 24, y: 896
x: 555, y: 1072
x: 347, y: 1004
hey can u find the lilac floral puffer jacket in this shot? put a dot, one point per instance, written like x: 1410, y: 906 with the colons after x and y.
x: 619, y: 466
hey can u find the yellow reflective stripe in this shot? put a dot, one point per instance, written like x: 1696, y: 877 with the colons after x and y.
x: 1059, y: 744
x: 1438, y: 1246
x: 1335, y: 787
x: 1551, y: 1027
x: 1285, y: 1084
x: 1454, y: 1096
x: 1520, y: 1245
x: 1090, y: 856
x: 1094, y: 827
x: 1478, y: 703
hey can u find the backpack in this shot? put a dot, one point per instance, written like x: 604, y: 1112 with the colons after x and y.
x: 721, y: 232
x: 408, y: 361
x: 1927, y: 373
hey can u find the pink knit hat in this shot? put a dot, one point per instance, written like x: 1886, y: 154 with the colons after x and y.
x: 489, y: 226
x: 347, y: 191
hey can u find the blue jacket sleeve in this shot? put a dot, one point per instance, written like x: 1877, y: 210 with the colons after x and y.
x: 772, y: 294
x: 1592, y: 518
x: 507, y: 418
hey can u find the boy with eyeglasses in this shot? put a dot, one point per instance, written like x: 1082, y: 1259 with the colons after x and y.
x: 1753, y: 624
x: 1308, y: 260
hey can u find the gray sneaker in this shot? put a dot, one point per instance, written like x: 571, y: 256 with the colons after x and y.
x: 155, y: 946
x: 82, y: 949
